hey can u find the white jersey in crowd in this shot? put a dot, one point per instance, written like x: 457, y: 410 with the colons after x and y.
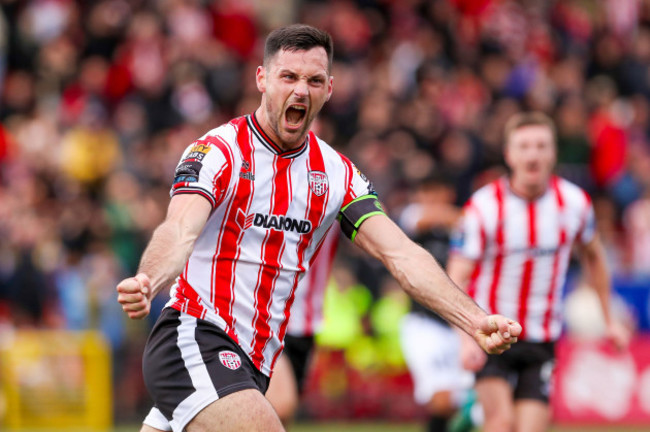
x: 307, y: 309
x: 271, y: 211
x: 522, y: 250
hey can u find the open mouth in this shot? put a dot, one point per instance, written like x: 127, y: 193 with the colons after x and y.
x: 295, y: 115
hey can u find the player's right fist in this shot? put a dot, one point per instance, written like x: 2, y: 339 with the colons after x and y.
x: 134, y: 294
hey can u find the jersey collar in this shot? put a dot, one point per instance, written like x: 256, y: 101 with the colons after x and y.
x: 268, y: 142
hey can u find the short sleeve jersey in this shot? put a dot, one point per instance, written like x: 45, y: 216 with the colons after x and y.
x: 522, y: 249
x: 271, y: 211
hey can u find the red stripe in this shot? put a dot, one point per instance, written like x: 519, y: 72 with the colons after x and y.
x: 314, y: 213
x: 498, y: 259
x: 476, y: 272
x: 350, y: 195
x: 272, y: 251
x: 318, y: 275
x: 524, y: 290
x: 552, y: 291
x: 187, y: 300
x: 227, y: 251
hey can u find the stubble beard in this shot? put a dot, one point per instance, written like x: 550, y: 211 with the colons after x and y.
x: 275, y: 122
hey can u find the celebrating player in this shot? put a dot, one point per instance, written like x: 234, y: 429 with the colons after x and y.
x: 251, y: 203
x: 512, y: 254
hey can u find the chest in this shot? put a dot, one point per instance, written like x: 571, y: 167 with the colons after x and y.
x: 539, y: 227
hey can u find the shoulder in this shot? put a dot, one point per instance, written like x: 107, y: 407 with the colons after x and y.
x: 226, y: 133
x: 485, y: 196
x: 327, y: 150
x: 572, y: 194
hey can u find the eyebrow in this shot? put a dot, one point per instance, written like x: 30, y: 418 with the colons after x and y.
x: 317, y: 75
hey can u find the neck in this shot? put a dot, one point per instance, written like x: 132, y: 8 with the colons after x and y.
x: 527, y: 191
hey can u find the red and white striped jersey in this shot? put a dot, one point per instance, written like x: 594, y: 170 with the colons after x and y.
x: 271, y: 211
x: 522, y: 250
x: 307, y: 309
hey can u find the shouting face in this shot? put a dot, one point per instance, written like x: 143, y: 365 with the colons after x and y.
x: 530, y: 154
x: 295, y: 85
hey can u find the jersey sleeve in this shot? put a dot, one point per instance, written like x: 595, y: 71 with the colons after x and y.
x: 360, y: 202
x: 468, y: 238
x: 587, y: 229
x: 199, y: 171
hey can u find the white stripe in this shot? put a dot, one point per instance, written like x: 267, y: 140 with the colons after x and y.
x: 205, y: 392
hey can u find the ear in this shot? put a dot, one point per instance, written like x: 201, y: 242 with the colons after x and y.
x: 260, y: 79
x: 330, y: 87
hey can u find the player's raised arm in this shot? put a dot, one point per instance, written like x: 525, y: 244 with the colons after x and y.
x: 167, y: 252
x: 423, y: 279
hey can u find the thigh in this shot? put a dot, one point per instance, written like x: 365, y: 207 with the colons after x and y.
x: 243, y: 411
x: 532, y: 416
x: 283, y: 389
x: 495, y: 397
x: 189, y: 363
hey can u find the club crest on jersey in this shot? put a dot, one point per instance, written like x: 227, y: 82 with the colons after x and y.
x: 318, y: 182
x: 230, y: 359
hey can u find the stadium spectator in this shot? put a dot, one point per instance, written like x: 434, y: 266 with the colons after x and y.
x: 512, y: 253
x: 251, y: 202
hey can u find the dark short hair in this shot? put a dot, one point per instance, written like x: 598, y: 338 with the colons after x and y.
x: 298, y: 37
x: 533, y: 118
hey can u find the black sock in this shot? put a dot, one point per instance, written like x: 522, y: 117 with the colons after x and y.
x: 437, y: 424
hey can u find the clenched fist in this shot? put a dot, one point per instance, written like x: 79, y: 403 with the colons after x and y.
x: 496, y: 333
x: 134, y: 294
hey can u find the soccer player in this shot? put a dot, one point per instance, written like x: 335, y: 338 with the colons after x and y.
x: 431, y: 347
x: 291, y: 368
x: 251, y: 203
x: 511, y: 253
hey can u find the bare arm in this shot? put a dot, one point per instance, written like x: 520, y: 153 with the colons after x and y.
x: 460, y: 270
x: 166, y: 254
x: 594, y: 262
x: 423, y: 279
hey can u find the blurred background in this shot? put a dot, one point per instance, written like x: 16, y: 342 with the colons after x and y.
x: 98, y: 99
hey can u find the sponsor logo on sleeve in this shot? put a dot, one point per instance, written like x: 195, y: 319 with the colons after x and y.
x: 188, y: 168
x: 198, y: 152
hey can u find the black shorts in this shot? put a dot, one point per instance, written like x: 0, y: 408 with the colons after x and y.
x: 298, y: 350
x: 527, y: 366
x: 189, y: 363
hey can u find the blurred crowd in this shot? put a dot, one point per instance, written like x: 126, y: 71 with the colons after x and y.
x: 98, y: 99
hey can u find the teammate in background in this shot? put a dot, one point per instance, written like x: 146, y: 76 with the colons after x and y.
x: 251, y: 203
x: 512, y: 253
x: 430, y: 346
x: 306, y: 319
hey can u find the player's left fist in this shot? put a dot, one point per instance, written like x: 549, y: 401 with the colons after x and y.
x: 497, y: 333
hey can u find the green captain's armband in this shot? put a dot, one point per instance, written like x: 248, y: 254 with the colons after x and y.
x: 356, y: 212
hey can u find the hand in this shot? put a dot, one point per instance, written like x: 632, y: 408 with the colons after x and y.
x: 134, y: 294
x: 496, y: 333
x: 472, y: 357
x: 619, y: 334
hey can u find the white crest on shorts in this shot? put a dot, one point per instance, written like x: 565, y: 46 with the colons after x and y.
x: 230, y: 359
x: 318, y: 182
